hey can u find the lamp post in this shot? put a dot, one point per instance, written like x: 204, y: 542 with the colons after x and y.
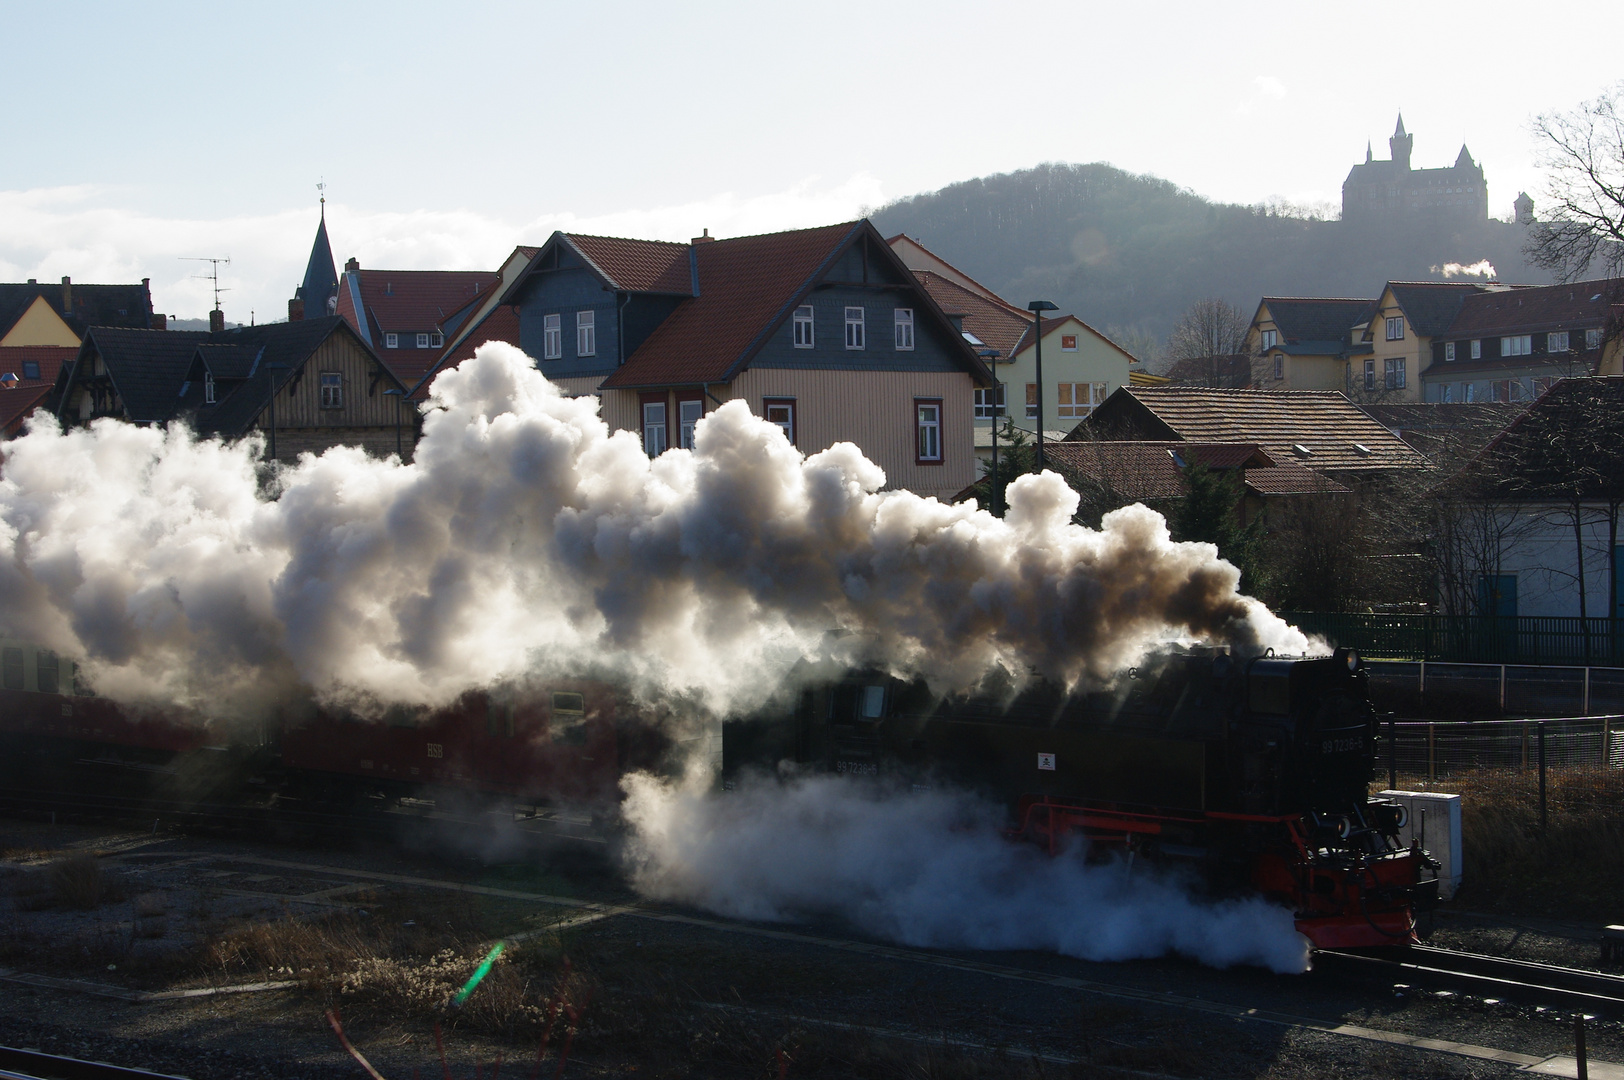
x: 1037, y: 308
x: 270, y: 376
x: 991, y: 357
x: 399, y: 396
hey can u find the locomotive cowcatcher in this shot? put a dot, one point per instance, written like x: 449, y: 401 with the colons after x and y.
x: 1256, y: 771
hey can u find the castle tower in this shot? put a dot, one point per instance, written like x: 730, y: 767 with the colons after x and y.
x: 1401, y: 144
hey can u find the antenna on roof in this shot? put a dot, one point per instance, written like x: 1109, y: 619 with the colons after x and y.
x: 213, y: 275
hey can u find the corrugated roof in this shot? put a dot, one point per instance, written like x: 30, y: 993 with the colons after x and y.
x: 656, y: 266
x: 1320, y: 429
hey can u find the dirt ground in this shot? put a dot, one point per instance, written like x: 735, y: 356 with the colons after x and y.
x: 103, y: 932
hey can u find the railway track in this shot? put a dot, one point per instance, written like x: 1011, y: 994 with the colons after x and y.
x: 34, y: 1065
x: 1484, y: 977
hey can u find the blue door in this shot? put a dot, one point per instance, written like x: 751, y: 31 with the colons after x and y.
x: 1497, y: 595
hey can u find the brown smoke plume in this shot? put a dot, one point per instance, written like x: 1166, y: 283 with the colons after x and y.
x: 527, y: 537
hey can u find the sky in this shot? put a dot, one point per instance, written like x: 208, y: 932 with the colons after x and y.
x: 448, y: 133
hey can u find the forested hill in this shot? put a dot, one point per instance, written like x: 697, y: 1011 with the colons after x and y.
x: 1126, y: 251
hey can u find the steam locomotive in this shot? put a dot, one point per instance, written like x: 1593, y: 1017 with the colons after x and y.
x: 564, y: 743
x: 1257, y: 771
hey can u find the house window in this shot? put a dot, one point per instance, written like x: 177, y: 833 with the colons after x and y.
x: 654, y: 427
x: 1271, y: 338
x: 928, y: 428
x: 436, y: 341
x: 1592, y: 339
x: 1077, y: 400
x: 1477, y: 349
x: 1395, y: 328
x: 903, y: 321
x: 422, y: 341
x: 1556, y: 342
x: 586, y: 333
x: 332, y: 390
x: 13, y: 668
x: 1518, y: 345
x: 46, y: 672
x: 781, y: 411
x: 1031, y: 401
x: 1370, y: 375
x: 1395, y: 374
x: 208, y: 388
x: 1068, y: 342
x: 1446, y: 392
x: 803, y: 326
x: 854, y: 328
x: 1280, y: 365
x: 552, y: 337
x: 30, y: 369
x: 391, y: 341
x: 689, y: 410
x: 1449, y: 352
x: 984, y: 402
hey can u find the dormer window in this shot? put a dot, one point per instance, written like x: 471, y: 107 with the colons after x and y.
x: 391, y: 341
x: 436, y: 341
x: 422, y: 341
x: 1592, y: 339
x: 803, y: 326
x: 1556, y: 342
x: 208, y: 388
x: 1477, y: 348
x: 30, y: 369
x: 1449, y: 352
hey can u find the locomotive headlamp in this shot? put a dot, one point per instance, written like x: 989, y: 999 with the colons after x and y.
x: 1353, y: 660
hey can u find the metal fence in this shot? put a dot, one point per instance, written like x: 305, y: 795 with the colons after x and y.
x: 1445, y: 691
x: 1573, y: 765
x: 1470, y: 639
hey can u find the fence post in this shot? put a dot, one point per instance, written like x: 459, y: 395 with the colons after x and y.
x: 1587, y: 690
x: 1525, y: 746
x: 1502, y: 689
x: 1392, y: 751
x: 1421, y: 678
x: 1432, y: 752
x: 1544, y: 817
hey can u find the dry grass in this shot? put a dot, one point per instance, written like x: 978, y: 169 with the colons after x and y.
x: 1571, y: 868
x: 77, y: 882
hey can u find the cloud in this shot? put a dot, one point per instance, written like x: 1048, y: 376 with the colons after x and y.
x: 1269, y: 87
x: 94, y: 234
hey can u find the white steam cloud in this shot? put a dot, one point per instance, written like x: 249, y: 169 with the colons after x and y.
x: 1483, y: 268
x: 527, y: 537
x: 928, y: 869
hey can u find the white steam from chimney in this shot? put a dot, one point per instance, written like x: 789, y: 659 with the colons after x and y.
x: 1483, y: 268
x: 527, y: 537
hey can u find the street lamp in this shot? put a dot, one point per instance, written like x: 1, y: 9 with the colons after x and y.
x: 399, y: 396
x: 1037, y: 308
x: 270, y: 377
x: 991, y: 357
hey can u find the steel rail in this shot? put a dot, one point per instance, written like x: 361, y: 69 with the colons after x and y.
x: 1523, y: 981
x: 34, y: 1065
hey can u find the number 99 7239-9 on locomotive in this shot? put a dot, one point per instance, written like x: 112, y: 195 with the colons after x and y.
x: 1256, y: 771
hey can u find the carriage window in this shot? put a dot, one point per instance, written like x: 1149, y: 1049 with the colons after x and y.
x: 873, y: 702
x: 12, y: 665
x: 569, y: 703
x: 45, y: 671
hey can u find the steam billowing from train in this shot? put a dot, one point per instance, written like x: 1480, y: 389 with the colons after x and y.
x: 926, y: 868
x: 526, y: 537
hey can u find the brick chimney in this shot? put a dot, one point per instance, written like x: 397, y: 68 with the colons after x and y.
x: 160, y: 322
x: 67, y: 295
x: 296, y: 309
x: 217, y: 321
x: 352, y: 264
x: 705, y: 239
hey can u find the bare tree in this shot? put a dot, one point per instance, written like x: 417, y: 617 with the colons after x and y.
x: 1211, y: 327
x: 1582, y: 153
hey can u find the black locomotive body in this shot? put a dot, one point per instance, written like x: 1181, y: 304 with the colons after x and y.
x: 1258, y: 769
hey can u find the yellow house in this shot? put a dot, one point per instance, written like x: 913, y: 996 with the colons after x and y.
x: 1081, y: 368
x: 1407, y: 316
x: 38, y: 324
x: 1305, y: 343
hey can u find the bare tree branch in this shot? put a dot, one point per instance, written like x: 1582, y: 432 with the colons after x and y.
x: 1582, y: 153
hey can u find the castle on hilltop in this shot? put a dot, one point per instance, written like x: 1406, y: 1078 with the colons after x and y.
x: 1392, y: 191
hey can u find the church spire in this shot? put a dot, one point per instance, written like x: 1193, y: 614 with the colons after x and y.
x: 1400, y: 145
x: 319, y: 293
x: 1369, y: 155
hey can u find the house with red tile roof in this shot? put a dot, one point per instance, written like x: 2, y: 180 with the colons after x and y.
x: 27, y: 373
x: 822, y: 331
x: 406, y: 316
